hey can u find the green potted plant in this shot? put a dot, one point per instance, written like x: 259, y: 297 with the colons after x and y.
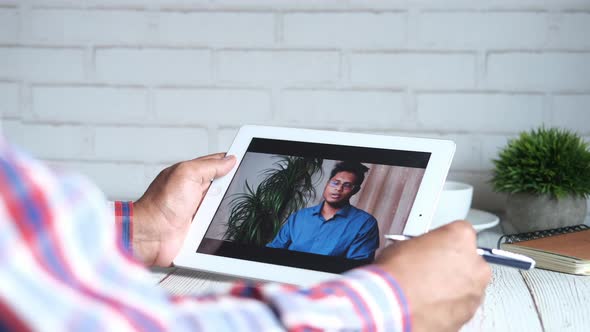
x: 257, y: 215
x: 546, y: 173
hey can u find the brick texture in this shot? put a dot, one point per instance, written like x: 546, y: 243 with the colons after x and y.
x: 50, y: 141
x: 278, y: 67
x: 346, y: 30
x: 480, y: 112
x: 83, y: 26
x: 566, y: 28
x: 9, y: 99
x: 88, y: 104
x: 483, y: 29
x: 416, y: 70
x: 9, y: 25
x: 152, y: 66
x: 101, y: 173
x: 217, y: 28
x: 149, y: 144
x: 539, y: 71
x: 573, y: 112
x: 212, y: 106
x: 42, y: 64
x: 118, y: 89
x: 359, y: 108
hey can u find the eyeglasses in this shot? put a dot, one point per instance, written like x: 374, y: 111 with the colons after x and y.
x: 345, y: 185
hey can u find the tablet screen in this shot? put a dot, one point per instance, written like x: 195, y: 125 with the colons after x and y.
x: 315, y: 206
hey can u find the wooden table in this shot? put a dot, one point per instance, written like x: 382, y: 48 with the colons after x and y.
x: 536, y: 300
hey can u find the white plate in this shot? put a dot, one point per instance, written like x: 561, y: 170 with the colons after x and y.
x: 481, y: 219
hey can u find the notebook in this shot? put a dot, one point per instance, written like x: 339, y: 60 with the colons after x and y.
x: 565, y: 249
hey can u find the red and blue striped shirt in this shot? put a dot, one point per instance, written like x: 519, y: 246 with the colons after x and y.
x: 65, y: 266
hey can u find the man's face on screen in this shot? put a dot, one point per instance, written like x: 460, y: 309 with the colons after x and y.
x: 340, y: 188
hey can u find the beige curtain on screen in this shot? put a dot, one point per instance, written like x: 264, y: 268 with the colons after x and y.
x: 388, y: 193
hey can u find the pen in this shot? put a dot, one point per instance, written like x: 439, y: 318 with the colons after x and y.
x: 494, y: 256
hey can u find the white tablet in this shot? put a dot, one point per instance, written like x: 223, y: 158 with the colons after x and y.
x: 302, y: 205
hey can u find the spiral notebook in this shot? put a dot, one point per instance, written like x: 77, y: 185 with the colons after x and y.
x: 565, y: 249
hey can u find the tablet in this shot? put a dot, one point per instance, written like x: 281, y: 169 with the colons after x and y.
x: 302, y: 205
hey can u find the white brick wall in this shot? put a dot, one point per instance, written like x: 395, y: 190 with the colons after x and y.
x: 117, y: 89
x: 283, y: 67
x: 571, y: 111
x: 378, y: 109
x: 129, y: 182
x: 149, y: 66
x: 483, y: 30
x: 212, y: 106
x: 217, y: 28
x: 346, y: 30
x: 413, y: 69
x: 460, y: 111
x: 149, y: 144
x: 9, y: 99
x: 74, y: 27
x: 9, y: 31
x: 50, y: 141
x: 88, y: 104
x: 566, y: 27
x: 552, y: 71
x: 55, y: 64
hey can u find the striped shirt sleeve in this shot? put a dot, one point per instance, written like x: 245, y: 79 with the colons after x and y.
x: 63, y: 267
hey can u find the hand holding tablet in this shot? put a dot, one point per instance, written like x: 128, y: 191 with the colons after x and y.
x: 445, y: 299
x: 162, y: 212
x: 333, y: 222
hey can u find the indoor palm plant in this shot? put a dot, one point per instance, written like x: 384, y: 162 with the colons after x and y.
x: 257, y: 214
x: 546, y: 173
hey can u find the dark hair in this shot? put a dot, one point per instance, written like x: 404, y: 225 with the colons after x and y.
x: 354, y: 167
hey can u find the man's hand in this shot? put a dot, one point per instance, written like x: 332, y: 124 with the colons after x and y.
x: 163, y: 214
x: 441, y: 275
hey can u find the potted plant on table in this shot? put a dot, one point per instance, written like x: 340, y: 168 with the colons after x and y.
x: 546, y: 173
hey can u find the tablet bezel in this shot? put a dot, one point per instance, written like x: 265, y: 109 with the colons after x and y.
x: 418, y: 220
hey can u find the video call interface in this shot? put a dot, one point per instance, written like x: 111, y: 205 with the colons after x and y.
x: 314, y: 206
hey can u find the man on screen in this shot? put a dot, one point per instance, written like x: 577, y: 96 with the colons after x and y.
x: 333, y: 227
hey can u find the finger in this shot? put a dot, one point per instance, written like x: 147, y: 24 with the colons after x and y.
x: 218, y: 155
x: 205, y: 170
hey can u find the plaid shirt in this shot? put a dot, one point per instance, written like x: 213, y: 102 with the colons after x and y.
x: 63, y: 266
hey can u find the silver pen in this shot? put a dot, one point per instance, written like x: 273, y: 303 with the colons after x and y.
x: 493, y: 256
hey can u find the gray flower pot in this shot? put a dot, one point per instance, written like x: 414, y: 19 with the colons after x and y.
x: 527, y: 212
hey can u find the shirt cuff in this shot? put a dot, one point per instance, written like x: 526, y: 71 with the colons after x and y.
x: 123, y: 212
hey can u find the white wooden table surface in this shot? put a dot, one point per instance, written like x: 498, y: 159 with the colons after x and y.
x: 522, y: 301
x: 537, y: 300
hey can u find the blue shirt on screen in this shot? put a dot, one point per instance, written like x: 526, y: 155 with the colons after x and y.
x: 352, y: 233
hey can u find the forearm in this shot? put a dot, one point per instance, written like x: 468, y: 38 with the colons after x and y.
x: 364, y: 299
x: 64, y: 271
x: 125, y: 297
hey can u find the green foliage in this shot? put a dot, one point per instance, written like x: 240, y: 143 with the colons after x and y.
x: 544, y: 161
x: 257, y: 215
